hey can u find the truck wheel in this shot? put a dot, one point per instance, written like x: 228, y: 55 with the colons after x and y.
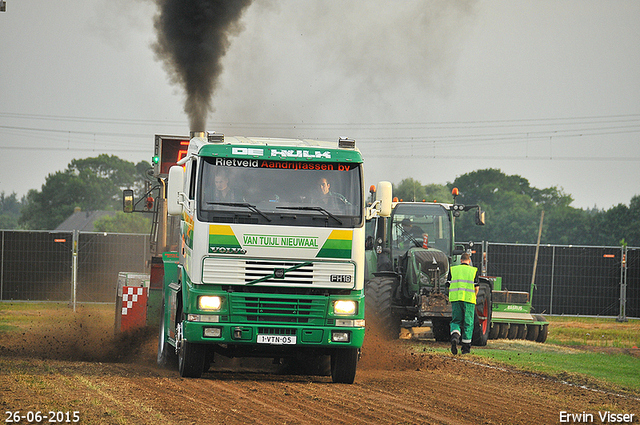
x: 166, y: 353
x: 208, y: 360
x: 522, y: 331
x: 379, y: 301
x: 440, y: 329
x: 482, y: 320
x: 344, y: 362
x: 532, y: 332
x: 190, y: 356
x: 542, y: 336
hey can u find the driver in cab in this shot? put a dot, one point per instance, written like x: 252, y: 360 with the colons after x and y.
x: 410, y: 235
x: 326, y: 197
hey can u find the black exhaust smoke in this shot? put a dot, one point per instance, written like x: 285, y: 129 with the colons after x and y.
x: 193, y: 36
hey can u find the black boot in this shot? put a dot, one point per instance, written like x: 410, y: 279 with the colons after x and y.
x: 455, y: 339
x: 466, y: 348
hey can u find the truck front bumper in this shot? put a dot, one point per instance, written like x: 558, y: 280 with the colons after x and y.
x: 273, y: 335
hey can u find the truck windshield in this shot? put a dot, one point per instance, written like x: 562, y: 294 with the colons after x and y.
x: 280, y: 193
x: 411, y: 222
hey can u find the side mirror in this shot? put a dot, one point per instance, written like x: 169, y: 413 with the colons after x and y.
x: 384, y: 196
x: 127, y: 200
x: 174, y: 190
x: 479, y: 217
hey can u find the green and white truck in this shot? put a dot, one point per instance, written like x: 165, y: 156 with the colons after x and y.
x: 270, y: 258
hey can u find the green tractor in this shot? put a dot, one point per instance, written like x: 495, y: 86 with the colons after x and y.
x: 409, y: 249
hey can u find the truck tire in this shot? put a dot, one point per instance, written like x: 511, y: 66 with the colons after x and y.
x: 379, y: 302
x: 166, y: 353
x: 522, y: 331
x: 482, y: 320
x: 191, y: 356
x: 344, y: 362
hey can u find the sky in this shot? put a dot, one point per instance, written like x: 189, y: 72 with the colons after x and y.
x: 548, y: 90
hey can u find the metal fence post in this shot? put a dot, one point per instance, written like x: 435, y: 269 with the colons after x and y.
x: 2, y: 269
x: 622, y: 315
x: 74, y: 269
x: 485, y: 246
x: 553, y: 267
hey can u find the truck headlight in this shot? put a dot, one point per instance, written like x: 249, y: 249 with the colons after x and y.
x: 339, y: 336
x: 211, y: 332
x: 345, y: 307
x: 209, y: 302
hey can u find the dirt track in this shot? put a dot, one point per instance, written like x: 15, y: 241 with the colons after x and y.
x: 80, y: 367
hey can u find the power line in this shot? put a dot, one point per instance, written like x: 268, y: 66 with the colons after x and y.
x: 596, y: 119
x: 93, y: 120
x: 90, y: 133
x: 82, y: 140
x: 528, y: 135
x: 510, y: 157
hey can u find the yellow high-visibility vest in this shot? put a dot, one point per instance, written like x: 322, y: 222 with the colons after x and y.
x: 462, y: 286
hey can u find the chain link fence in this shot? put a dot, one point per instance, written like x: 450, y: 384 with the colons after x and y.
x: 571, y: 280
x: 68, y: 266
x: 36, y: 266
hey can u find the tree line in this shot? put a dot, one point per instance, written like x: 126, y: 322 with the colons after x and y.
x: 90, y: 184
x: 512, y: 205
x: 513, y: 209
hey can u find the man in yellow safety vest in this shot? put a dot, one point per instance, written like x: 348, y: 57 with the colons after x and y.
x: 463, y: 288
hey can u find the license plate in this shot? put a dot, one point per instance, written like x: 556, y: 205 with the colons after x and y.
x: 276, y: 339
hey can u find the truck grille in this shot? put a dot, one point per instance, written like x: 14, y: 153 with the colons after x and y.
x: 318, y: 274
x: 267, y: 308
x: 301, y: 275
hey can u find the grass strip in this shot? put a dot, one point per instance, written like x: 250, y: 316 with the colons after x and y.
x: 617, y: 368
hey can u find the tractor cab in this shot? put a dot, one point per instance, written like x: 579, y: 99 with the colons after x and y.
x: 420, y: 225
x: 408, y: 258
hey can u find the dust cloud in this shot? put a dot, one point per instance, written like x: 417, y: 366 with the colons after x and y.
x: 86, y: 337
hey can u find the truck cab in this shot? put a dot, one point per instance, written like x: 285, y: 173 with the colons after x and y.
x: 270, y: 257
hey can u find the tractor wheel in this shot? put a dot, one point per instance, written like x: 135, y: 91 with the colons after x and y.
x: 344, y: 362
x: 379, y: 302
x: 532, y: 332
x: 166, y: 353
x: 191, y: 357
x: 522, y: 331
x: 542, y: 336
x: 504, y: 330
x: 482, y: 321
x: 440, y: 329
x: 513, y: 331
